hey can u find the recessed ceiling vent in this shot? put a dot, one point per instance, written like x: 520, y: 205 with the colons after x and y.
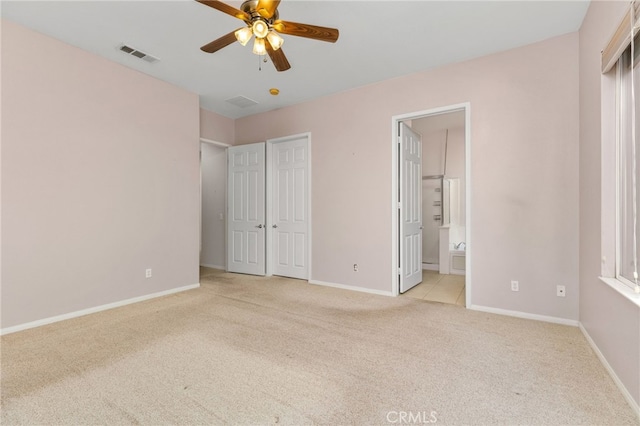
x: 137, y: 53
x: 242, y: 102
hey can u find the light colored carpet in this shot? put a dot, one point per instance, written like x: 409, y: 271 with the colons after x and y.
x: 254, y: 350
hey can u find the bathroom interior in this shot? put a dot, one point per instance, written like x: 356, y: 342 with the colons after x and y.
x: 443, y: 208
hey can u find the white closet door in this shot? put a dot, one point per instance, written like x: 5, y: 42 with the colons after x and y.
x: 290, y: 217
x: 246, y: 204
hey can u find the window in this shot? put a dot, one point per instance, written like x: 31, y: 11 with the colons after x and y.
x: 627, y: 175
x: 620, y: 159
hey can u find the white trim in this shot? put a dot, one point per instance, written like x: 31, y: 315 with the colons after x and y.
x: 95, y: 309
x: 212, y: 142
x: 309, y: 205
x: 213, y: 266
x: 468, y: 212
x: 525, y: 315
x: 431, y: 267
x: 395, y: 182
x: 627, y: 395
x: 466, y: 106
x: 352, y: 288
x: 626, y: 291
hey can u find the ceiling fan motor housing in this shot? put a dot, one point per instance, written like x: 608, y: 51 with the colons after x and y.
x: 250, y: 7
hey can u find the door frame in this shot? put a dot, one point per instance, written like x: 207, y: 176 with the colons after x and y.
x: 395, y: 191
x: 269, y: 198
x: 223, y: 146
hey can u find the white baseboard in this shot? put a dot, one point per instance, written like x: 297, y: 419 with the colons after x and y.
x: 634, y: 405
x: 431, y: 267
x: 206, y: 265
x: 525, y: 315
x: 93, y: 310
x: 351, y: 287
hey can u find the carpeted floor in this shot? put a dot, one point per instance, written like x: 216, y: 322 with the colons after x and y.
x: 254, y: 350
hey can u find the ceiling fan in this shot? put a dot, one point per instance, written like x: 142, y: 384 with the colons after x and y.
x: 262, y: 21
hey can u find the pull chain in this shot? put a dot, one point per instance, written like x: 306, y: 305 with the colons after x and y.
x: 261, y: 59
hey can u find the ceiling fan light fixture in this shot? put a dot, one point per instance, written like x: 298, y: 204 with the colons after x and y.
x: 258, y: 47
x: 243, y: 35
x: 275, y: 40
x: 260, y: 28
x: 262, y: 20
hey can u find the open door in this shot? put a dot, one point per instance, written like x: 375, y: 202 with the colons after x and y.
x: 246, y: 225
x: 410, y: 157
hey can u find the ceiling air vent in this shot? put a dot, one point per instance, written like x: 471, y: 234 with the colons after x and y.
x: 241, y: 101
x: 137, y: 53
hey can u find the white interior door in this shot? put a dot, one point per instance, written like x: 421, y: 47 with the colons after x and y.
x: 410, y: 208
x: 246, y: 209
x: 289, y: 211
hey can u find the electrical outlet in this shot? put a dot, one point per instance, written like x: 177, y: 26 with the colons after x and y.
x: 515, y: 286
x: 147, y: 273
x: 221, y: 216
x: 561, y: 291
x: 355, y: 267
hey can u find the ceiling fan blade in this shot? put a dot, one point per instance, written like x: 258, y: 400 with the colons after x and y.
x: 267, y: 8
x: 305, y: 30
x: 218, y: 44
x: 225, y: 8
x: 277, y: 57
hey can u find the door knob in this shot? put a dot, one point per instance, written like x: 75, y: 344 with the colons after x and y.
x: 259, y: 226
x: 274, y: 226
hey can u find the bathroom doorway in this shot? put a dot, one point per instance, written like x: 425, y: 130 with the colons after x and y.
x: 443, y: 189
x: 445, y: 185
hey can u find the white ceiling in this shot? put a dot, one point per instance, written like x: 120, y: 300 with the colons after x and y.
x: 378, y: 40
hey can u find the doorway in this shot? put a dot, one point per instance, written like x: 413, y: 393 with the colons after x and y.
x: 213, y: 185
x: 444, y: 198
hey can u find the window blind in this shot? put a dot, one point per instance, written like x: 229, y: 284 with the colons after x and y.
x: 621, y: 38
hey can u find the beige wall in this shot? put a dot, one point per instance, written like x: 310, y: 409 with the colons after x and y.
x: 611, y: 320
x: 524, y: 148
x: 216, y: 128
x: 99, y: 180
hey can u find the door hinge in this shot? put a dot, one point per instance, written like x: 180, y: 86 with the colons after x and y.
x: 399, y: 205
